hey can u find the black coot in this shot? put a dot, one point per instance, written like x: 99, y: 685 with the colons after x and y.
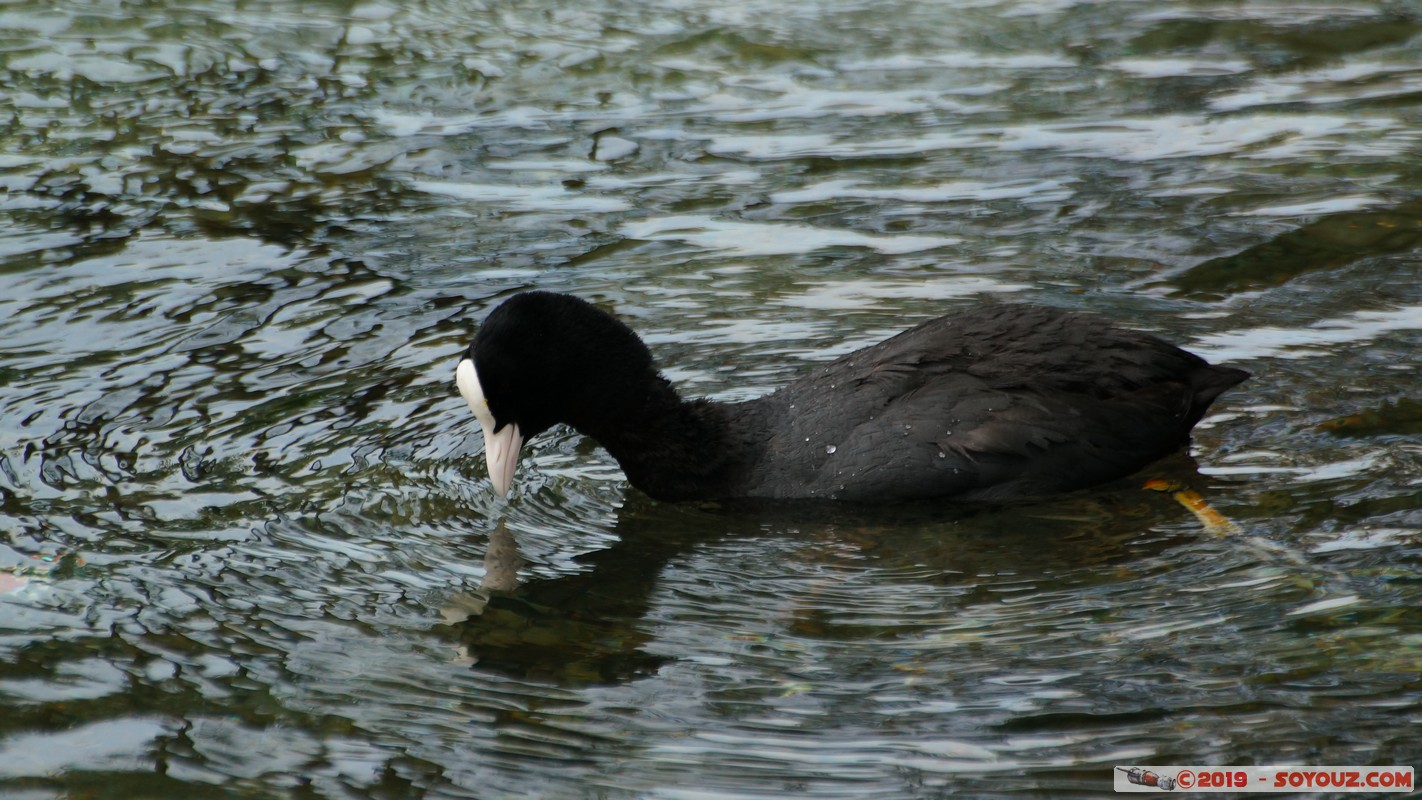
x: 1001, y: 402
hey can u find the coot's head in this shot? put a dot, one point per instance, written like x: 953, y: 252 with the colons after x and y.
x: 543, y: 358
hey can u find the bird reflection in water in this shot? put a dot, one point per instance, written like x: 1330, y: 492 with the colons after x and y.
x: 592, y: 627
x: 572, y: 630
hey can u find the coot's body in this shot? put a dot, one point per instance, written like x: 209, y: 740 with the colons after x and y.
x: 1000, y: 402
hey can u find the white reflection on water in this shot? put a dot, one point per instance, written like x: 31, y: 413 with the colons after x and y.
x: 1323, y: 86
x: 1332, y: 205
x: 117, y: 745
x: 771, y: 238
x: 797, y: 101
x: 960, y: 60
x: 1045, y: 191
x: 1271, y: 341
x: 870, y: 294
x: 1365, y: 538
x: 522, y: 198
x: 1132, y: 139
x: 1179, y: 67
x: 69, y: 60
x: 801, y: 145
x: 1260, y: 136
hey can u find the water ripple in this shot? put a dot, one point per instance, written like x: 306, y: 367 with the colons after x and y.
x: 248, y: 541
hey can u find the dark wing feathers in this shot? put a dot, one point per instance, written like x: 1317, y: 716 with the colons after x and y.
x: 1002, y: 401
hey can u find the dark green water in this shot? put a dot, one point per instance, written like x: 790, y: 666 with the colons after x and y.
x: 247, y: 546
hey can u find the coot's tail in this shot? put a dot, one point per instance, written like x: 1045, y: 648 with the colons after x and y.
x: 1209, y: 382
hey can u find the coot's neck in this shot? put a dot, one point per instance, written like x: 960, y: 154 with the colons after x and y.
x: 670, y: 448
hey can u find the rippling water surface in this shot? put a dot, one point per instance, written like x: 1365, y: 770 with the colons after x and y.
x: 247, y: 547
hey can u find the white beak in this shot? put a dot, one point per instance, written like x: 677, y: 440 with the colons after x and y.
x: 500, y: 448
